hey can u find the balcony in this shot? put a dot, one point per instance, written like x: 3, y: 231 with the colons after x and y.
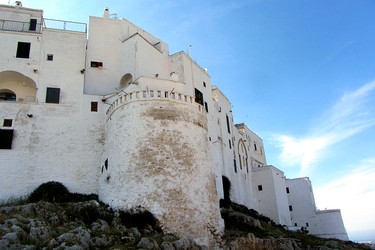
x: 34, y: 27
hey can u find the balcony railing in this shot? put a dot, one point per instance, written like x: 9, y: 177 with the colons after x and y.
x: 64, y: 25
x: 9, y: 25
x: 34, y: 27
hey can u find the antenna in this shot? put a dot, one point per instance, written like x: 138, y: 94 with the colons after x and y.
x: 189, y: 51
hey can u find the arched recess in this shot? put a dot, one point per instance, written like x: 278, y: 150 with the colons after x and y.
x: 126, y: 80
x: 17, y: 87
x: 242, y: 155
x: 7, y: 95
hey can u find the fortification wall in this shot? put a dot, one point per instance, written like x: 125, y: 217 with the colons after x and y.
x: 156, y: 156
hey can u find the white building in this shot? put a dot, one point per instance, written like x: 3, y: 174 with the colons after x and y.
x: 322, y: 223
x: 111, y: 112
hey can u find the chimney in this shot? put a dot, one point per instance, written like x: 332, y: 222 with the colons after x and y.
x: 106, y: 13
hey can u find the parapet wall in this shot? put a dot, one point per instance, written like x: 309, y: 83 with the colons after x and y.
x: 156, y: 156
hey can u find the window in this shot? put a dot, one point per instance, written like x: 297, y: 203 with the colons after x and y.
x: 230, y: 144
x: 33, y: 23
x: 235, y: 165
x: 290, y: 208
x: 295, y: 224
x: 94, y: 106
x: 49, y: 57
x: 6, y: 137
x: 255, y: 146
x: 23, y: 50
x: 204, y: 84
x: 95, y: 64
x: 7, y: 122
x: 206, y: 106
x: 199, y: 97
x: 53, y: 95
x: 287, y: 190
x: 260, y: 187
x: 228, y: 124
x: 307, y: 224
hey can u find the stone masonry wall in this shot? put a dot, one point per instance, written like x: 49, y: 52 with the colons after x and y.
x: 156, y: 156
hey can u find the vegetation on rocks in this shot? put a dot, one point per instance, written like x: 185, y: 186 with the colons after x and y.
x: 53, y: 218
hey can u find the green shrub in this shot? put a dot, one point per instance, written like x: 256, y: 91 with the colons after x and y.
x: 56, y: 192
x: 140, y: 219
x: 50, y: 191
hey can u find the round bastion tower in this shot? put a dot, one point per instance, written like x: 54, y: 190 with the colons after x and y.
x: 157, y: 156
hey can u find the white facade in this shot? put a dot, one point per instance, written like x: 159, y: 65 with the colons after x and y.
x: 113, y: 113
x: 322, y: 223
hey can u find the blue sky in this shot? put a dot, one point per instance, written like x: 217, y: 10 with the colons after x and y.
x: 300, y: 73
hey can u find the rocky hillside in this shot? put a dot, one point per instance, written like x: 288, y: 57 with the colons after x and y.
x: 53, y: 218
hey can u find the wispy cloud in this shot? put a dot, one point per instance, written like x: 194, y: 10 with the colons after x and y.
x: 350, y: 115
x: 354, y: 194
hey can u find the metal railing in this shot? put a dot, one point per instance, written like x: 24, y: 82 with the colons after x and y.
x: 32, y: 27
x: 9, y: 25
x: 64, y: 25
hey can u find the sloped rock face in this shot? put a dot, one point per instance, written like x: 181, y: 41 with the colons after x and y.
x: 81, y: 225
x: 90, y: 225
x: 252, y: 243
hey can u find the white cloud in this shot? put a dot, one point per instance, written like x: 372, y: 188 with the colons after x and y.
x: 354, y: 194
x: 349, y: 116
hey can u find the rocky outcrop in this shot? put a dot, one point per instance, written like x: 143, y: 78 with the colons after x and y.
x: 80, y: 225
x: 92, y: 225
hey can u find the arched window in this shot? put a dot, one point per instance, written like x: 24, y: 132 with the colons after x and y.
x: 242, y: 155
x: 15, y: 86
x: 7, y: 95
x: 126, y: 80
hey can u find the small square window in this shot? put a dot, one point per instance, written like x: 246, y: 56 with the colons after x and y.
x: 295, y: 224
x: 49, y: 57
x: 94, y: 106
x: 260, y: 187
x: 7, y: 122
x: 95, y: 64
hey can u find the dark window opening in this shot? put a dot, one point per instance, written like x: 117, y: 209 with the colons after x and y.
x: 295, y: 224
x: 33, y: 23
x: 230, y: 144
x: 7, y: 122
x: 199, y: 97
x: 95, y: 64
x: 226, y: 188
x: 307, y: 224
x: 235, y: 165
x: 287, y: 190
x: 209, y: 138
x: 23, y: 50
x: 255, y: 147
x: 290, y: 208
x: 206, y: 106
x: 260, y: 187
x: 106, y: 164
x: 6, y: 137
x: 7, y: 95
x: 49, y: 57
x: 53, y: 95
x: 204, y: 84
x: 228, y: 124
x: 94, y: 106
